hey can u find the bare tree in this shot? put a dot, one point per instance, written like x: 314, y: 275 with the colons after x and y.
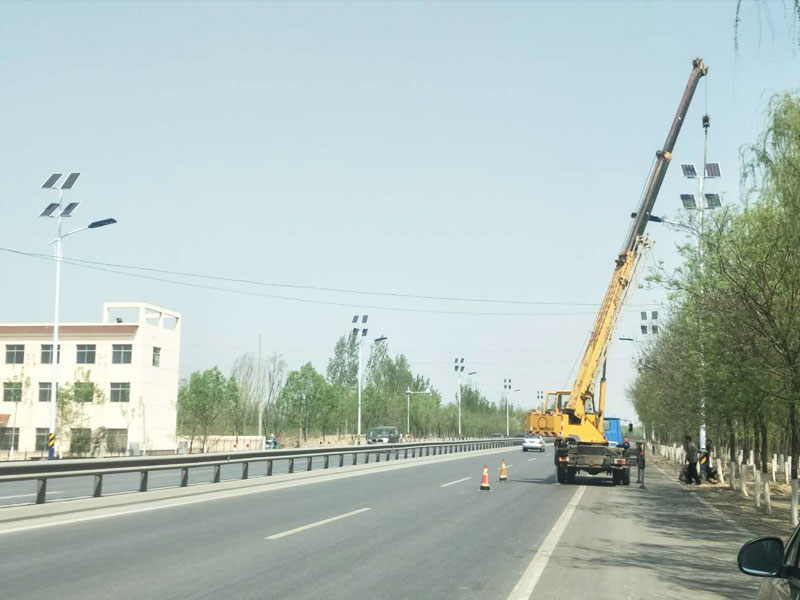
x: 274, y: 378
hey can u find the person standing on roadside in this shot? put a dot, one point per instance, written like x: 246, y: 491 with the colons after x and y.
x: 691, y: 459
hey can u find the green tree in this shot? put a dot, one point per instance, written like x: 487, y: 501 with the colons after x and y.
x: 304, y: 396
x: 203, y: 400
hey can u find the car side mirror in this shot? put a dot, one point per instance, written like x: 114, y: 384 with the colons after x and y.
x: 761, y: 557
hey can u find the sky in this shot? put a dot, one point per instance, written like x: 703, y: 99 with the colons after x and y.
x: 462, y: 150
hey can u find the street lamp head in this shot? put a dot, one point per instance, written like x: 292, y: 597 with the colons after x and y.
x: 383, y: 338
x: 102, y: 223
x: 472, y: 373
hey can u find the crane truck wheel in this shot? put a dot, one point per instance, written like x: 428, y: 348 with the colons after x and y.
x: 615, y: 477
x: 571, y: 475
x: 561, y: 474
x: 625, y: 476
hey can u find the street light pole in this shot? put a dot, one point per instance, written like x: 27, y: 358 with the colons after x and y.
x: 359, y: 333
x: 507, y: 390
x: 62, y: 213
x: 459, y: 368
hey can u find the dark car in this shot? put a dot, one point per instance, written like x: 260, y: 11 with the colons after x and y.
x: 383, y: 435
x: 767, y: 557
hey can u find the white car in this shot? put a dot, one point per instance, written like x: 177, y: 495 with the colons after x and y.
x: 533, y: 442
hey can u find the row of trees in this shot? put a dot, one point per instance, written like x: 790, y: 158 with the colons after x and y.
x: 304, y: 400
x: 729, y: 355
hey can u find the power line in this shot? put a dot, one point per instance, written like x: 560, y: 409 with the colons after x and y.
x: 294, y: 299
x: 89, y: 263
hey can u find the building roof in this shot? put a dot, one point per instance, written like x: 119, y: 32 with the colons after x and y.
x: 43, y: 329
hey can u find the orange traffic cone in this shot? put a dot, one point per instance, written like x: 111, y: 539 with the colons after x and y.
x: 503, y: 474
x: 485, y: 479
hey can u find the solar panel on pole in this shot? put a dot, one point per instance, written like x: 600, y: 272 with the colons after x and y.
x: 713, y: 170
x: 51, y: 208
x: 70, y: 181
x: 688, y: 201
x: 713, y: 200
x: 689, y: 171
x: 51, y: 181
x: 67, y: 212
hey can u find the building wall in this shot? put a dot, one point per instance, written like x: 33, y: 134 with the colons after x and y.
x: 151, y: 412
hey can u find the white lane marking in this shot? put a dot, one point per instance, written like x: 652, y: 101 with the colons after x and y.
x: 455, y: 482
x: 317, y: 524
x: 530, y: 459
x: 26, y: 495
x: 529, y: 579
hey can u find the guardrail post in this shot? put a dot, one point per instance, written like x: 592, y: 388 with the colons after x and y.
x: 245, y: 470
x: 143, y: 481
x: 355, y: 458
x: 308, y: 464
x: 377, y: 456
x: 98, y: 485
x: 325, y: 462
x: 291, y: 465
x: 341, y: 460
x: 414, y: 452
x: 406, y: 454
x: 41, y: 490
x: 217, y: 470
x: 184, y: 476
x: 388, y: 455
x: 269, y: 467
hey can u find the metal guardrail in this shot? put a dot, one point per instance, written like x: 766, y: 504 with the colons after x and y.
x: 45, y: 470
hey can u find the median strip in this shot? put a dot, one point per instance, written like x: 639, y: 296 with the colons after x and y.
x: 317, y: 524
x: 455, y: 482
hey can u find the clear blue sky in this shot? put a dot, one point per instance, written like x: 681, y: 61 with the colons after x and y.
x: 451, y: 149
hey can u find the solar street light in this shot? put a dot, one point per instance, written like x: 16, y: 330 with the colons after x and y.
x: 57, y: 210
x: 359, y: 333
x: 458, y: 367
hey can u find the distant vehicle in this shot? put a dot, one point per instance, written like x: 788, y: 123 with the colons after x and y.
x: 533, y: 441
x: 767, y: 557
x: 383, y: 435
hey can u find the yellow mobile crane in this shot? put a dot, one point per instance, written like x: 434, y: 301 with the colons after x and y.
x: 571, y: 416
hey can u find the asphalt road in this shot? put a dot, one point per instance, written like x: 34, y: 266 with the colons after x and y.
x: 401, y: 531
x: 420, y: 538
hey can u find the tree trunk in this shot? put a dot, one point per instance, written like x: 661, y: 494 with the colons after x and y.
x: 732, y: 449
x: 793, y: 425
x: 762, y: 423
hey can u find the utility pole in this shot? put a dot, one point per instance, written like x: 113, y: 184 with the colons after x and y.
x: 260, y: 397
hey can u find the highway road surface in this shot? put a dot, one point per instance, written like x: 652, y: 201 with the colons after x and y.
x: 410, y: 529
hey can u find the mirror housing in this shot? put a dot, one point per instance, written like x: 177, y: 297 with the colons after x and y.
x: 762, y: 557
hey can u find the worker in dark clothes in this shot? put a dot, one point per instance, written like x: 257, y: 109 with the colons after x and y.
x: 691, y: 459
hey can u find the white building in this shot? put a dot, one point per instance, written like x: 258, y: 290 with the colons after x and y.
x: 122, y: 372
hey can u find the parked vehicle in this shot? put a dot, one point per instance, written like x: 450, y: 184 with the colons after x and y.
x: 533, y: 441
x: 383, y: 435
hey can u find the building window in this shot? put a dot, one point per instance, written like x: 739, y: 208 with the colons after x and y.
x: 121, y: 354
x: 47, y: 354
x: 120, y: 392
x: 156, y: 356
x: 84, y: 391
x: 80, y: 440
x: 116, y: 440
x: 9, y: 438
x: 44, y: 391
x: 41, y: 438
x: 15, y: 354
x: 12, y: 391
x: 86, y: 354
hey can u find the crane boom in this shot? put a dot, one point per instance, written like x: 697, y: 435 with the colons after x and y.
x: 578, y: 419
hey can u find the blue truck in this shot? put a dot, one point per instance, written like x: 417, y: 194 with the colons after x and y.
x: 613, y: 430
